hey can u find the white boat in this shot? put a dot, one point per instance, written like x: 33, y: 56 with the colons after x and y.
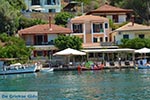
x: 47, y: 69
x: 17, y: 68
x: 142, y: 64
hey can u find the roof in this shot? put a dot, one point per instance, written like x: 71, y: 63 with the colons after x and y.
x: 87, y: 18
x: 133, y: 27
x: 70, y: 5
x: 40, y: 29
x: 110, y: 9
x: 110, y: 50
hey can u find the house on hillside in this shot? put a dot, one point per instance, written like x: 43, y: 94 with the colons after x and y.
x: 94, y: 30
x: 43, y: 5
x: 130, y: 31
x: 117, y: 15
x: 41, y: 37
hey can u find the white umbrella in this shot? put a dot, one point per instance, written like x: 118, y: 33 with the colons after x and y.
x: 143, y: 50
x: 68, y: 52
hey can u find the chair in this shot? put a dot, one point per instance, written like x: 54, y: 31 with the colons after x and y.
x: 131, y: 63
x: 107, y: 64
x: 116, y: 64
x: 122, y: 64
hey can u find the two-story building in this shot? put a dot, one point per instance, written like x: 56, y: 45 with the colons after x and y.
x: 41, y: 37
x: 92, y: 29
x: 44, y: 5
x: 117, y: 15
x: 130, y: 31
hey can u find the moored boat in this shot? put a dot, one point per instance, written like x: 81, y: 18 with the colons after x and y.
x: 143, y: 64
x: 17, y: 68
x: 47, y: 69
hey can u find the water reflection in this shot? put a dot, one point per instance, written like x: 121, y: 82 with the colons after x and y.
x: 117, y: 84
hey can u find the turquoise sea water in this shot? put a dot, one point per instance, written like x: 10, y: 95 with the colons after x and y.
x: 129, y: 84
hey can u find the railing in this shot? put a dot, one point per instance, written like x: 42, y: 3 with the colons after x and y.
x: 106, y: 43
x: 41, y: 43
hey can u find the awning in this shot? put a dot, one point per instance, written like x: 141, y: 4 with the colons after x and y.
x: 108, y: 50
x: 37, y: 7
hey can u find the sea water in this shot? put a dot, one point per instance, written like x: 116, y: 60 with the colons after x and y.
x: 124, y: 84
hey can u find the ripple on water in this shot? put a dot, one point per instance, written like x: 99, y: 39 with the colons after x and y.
x: 90, y: 85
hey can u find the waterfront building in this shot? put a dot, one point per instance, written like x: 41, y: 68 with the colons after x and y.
x: 117, y: 15
x: 94, y: 30
x: 41, y: 37
x: 43, y: 5
x: 130, y: 31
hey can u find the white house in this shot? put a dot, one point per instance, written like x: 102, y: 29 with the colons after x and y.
x: 44, y: 5
x: 117, y: 15
x: 130, y: 31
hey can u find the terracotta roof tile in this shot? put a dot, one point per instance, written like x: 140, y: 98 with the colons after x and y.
x: 38, y: 29
x: 132, y: 27
x: 87, y: 18
x: 109, y: 8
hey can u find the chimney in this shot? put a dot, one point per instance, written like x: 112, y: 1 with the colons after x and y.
x: 50, y: 24
x: 132, y: 20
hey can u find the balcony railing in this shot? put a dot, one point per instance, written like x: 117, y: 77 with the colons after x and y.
x: 98, y: 31
x: 106, y: 43
x: 41, y: 43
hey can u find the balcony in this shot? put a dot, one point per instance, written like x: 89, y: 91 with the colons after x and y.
x: 40, y: 43
x: 98, y: 31
x: 106, y: 43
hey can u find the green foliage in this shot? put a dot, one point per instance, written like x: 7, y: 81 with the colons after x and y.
x: 62, y: 18
x: 14, y: 47
x: 115, y: 26
x: 63, y: 42
x: 26, y: 22
x: 141, y: 8
x: 135, y: 43
x: 84, y: 1
x: 17, y: 4
x: 8, y: 17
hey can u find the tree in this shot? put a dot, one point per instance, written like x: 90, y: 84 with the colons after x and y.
x: 28, y: 22
x: 84, y: 1
x: 63, y: 42
x: 62, y: 18
x: 8, y: 17
x: 17, y: 4
x: 14, y: 47
x: 135, y: 43
x: 141, y: 8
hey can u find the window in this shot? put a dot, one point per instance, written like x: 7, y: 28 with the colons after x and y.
x: 77, y: 28
x: 97, y: 28
x: 35, y: 2
x: 51, y: 2
x: 91, y: 55
x: 125, y: 36
x: 94, y: 39
x: 141, y: 36
x: 106, y: 39
x: 106, y: 25
x: 52, y: 10
x: 39, y: 53
x: 101, y: 39
x: 39, y: 39
x: 115, y: 18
